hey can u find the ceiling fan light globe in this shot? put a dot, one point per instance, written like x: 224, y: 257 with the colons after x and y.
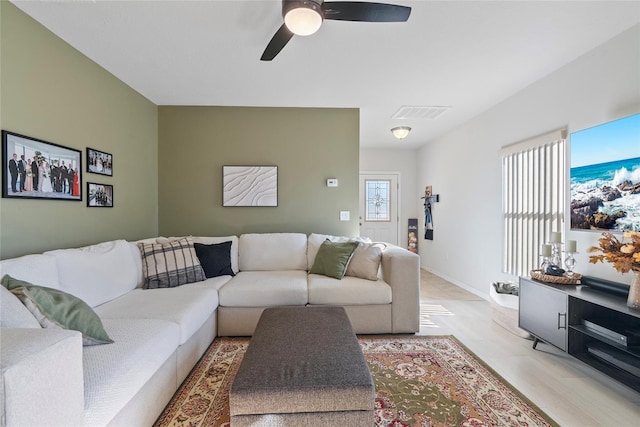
x: 303, y: 21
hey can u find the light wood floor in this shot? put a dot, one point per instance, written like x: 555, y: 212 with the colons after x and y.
x: 569, y: 391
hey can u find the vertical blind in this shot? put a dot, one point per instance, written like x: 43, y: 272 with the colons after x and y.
x: 533, y: 181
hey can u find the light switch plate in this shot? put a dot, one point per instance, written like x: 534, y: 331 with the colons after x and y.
x: 344, y: 215
x: 332, y: 182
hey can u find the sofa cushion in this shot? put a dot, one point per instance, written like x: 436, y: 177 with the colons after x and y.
x: 272, y: 252
x: 212, y: 283
x: 41, y: 269
x: 265, y: 289
x: 332, y: 258
x: 113, y: 374
x: 365, y: 261
x: 13, y: 313
x: 41, y: 377
x: 54, y: 308
x: 188, y: 306
x: 215, y: 259
x: 348, y: 291
x: 315, y: 241
x: 98, y: 273
x: 166, y: 265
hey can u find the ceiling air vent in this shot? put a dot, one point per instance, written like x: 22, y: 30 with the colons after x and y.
x: 419, y: 112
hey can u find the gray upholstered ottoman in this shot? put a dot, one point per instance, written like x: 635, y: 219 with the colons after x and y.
x: 303, y: 367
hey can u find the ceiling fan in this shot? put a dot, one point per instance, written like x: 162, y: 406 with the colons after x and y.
x: 304, y: 17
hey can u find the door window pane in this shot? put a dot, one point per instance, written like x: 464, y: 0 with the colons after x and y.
x: 377, y: 203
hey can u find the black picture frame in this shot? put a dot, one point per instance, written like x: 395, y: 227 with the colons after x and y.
x: 99, y: 162
x: 51, y: 179
x: 99, y: 195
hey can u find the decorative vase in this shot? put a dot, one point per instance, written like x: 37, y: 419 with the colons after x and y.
x: 633, y: 300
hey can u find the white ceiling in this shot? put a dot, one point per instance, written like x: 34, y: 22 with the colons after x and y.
x: 469, y: 55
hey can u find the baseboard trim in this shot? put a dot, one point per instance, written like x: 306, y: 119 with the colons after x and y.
x: 483, y: 295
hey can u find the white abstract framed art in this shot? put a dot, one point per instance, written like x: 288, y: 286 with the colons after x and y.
x: 250, y: 186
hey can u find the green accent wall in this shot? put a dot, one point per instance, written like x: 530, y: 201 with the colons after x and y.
x: 308, y: 145
x: 167, y: 160
x: 50, y: 91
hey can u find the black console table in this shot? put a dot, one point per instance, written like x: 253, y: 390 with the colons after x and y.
x: 593, y: 326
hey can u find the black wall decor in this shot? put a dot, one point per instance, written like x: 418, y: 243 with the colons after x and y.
x: 429, y: 198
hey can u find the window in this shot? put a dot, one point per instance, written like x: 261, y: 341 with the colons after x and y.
x: 533, y: 181
x: 377, y: 203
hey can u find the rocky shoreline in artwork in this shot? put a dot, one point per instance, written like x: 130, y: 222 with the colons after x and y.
x: 585, y: 213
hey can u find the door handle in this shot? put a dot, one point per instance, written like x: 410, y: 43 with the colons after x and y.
x: 562, y: 326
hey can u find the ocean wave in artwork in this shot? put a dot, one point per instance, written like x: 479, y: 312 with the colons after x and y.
x: 606, y: 195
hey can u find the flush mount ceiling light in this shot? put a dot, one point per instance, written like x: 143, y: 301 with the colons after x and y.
x: 401, y: 132
x: 303, y: 18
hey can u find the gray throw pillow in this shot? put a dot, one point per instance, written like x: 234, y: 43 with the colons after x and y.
x: 365, y: 261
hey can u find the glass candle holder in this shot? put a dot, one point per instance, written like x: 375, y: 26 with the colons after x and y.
x: 570, y: 263
x: 546, y: 262
x: 556, y: 258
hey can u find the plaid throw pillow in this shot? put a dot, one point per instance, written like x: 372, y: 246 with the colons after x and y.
x: 171, y: 264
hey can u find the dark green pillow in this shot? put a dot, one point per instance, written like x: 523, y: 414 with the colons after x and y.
x: 57, y: 309
x: 332, y: 258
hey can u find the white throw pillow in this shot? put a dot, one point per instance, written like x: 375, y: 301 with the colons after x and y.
x: 99, y: 273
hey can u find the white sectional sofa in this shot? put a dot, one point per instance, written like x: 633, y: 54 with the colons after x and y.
x: 49, y: 378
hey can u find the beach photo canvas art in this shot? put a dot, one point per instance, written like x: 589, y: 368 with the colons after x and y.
x: 605, y: 176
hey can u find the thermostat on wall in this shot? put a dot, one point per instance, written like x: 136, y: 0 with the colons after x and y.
x: 332, y: 182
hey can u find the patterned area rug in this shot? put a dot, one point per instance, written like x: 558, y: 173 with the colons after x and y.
x: 420, y: 381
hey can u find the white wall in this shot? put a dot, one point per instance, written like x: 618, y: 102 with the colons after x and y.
x: 464, y: 166
x: 403, y: 161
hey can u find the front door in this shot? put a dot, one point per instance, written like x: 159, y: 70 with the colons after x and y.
x: 379, y: 215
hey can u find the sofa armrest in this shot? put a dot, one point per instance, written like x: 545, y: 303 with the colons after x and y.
x: 41, y: 380
x: 401, y: 270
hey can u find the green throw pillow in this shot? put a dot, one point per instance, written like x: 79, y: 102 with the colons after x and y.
x: 332, y: 258
x: 56, y: 309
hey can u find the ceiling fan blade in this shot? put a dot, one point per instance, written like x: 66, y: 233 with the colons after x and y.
x: 279, y: 40
x: 366, y: 12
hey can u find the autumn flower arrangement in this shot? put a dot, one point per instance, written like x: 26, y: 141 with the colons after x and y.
x: 624, y: 256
